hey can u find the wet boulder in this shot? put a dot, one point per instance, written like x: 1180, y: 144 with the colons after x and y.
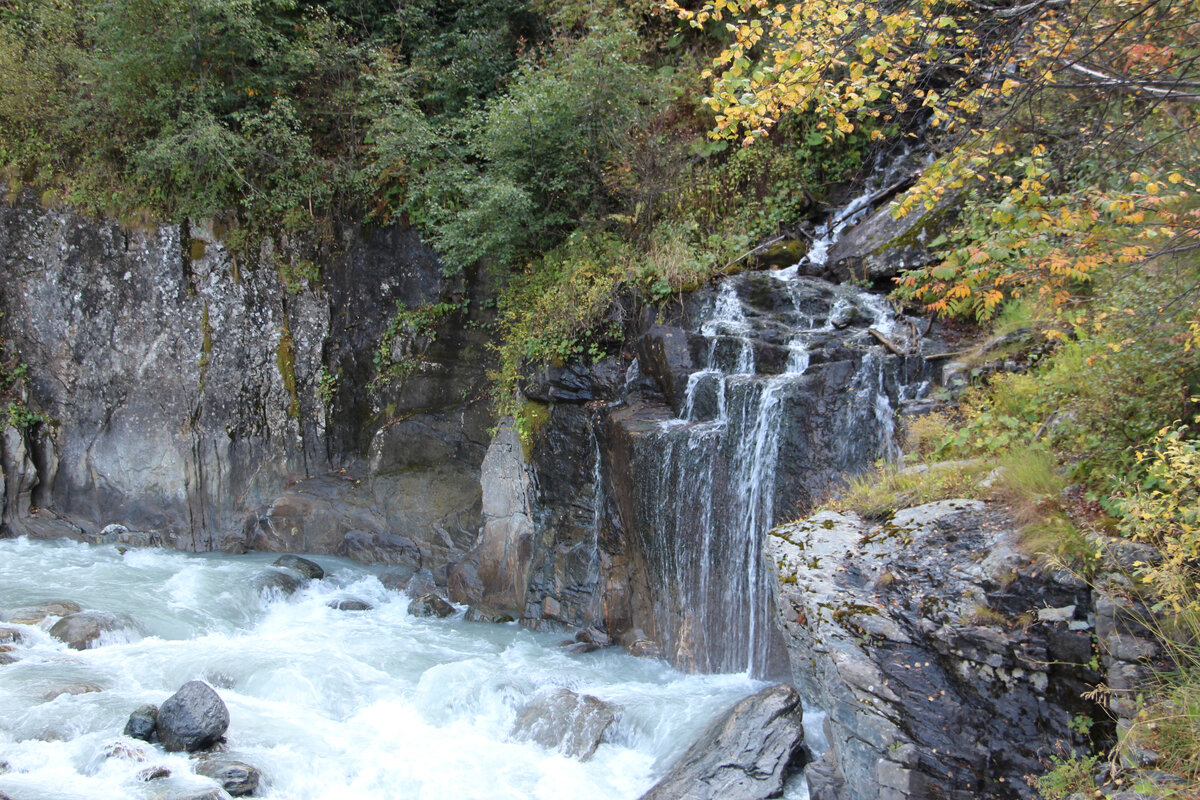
x: 573, y: 724
x: 276, y: 581
x: 430, y: 605
x: 236, y: 777
x: 194, y: 718
x: 87, y: 629
x: 35, y: 615
x: 309, y: 569
x: 11, y: 636
x: 421, y: 583
x: 485, y: 614
x: 744, y: 755
x: 350, y: 604
x: 72, y: 690
x: 142, y: 723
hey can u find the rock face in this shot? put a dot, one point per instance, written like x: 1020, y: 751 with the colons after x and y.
x: 198, y: 396
x: 86, y: 629
x: 194, y: 718
x: 573, y: 724
x: 949, y: 665
x: 744, y: 755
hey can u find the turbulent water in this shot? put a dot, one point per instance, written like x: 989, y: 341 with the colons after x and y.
x: 327, y: 703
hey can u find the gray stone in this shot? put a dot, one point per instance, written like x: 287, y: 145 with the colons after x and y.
x: 236, y: 777
x: 350, y: 604
x: 35, y: 615
x: 276, y: 582
x: 309, y: 569
x: 573, y: 724
x: 421, y: 583
x: 142, y: 723
x: 430, y: 605
x: 744, y: 755
x: 483, y: 614
x: 153, y: 774
x: 87, y: 629
x: 194, y: 718
x: 72, y: 690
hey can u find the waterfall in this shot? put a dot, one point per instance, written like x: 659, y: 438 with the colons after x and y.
x: 787, y: 391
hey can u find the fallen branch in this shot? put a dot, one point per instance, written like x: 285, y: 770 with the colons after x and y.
x: 886, y: 342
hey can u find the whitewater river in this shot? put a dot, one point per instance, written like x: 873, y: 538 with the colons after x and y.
x: 327, y: 703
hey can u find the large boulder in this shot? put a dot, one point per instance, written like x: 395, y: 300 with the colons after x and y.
x: 236, y: 777
x: 430, y: 605
x: 88, y: 629
x: 194, y: 718
x: 573, y: 724
x: 309, y: 569
x: 744, y: 755
x: 276, y: 582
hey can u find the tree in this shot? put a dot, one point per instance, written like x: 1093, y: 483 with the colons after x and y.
x: 1068, y: 129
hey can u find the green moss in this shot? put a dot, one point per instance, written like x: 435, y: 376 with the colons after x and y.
x: 285, y: 359
x: 531, y: 418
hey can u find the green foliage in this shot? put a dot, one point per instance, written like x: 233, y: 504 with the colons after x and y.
x: 880, y: 492
x: 1164, y: 510
x: 14, y: 375
x: 1067, y: 776
x: 409, y: 334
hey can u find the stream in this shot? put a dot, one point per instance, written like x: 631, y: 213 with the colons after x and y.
x: 327, y: 703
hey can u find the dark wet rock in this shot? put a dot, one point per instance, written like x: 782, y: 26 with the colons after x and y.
x: 573, y: 724
x: 350, y: 604
x: 882, y: 245
x: 380, y: 548
x: 744, y: 755
x: 665, y: 354
x: 483, y: 614
x: 276, y: 581
x: 194, y: 718
x: 421, y: 583
x: 637, y: 643
x: 309, y: 569
x: 142, y: 723
x: 153, y: 774
x: 575, y: 383
x: 6, y: 659
x: 396, y: 578
x: 11, y: 636
x: 430, y: 605
x: 86, y: 629
x: 581, y: 648
x: 73, y: 690
x: 236, y: 777
x: 34, y: 615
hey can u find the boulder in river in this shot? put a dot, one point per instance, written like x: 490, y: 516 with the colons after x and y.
x: 276, y: 581
x: 422, y: 582
x: 85, y: 629
x: 744, y: 755
x: 236, y: 777
x: 11, y: 636
x: 309, y: 569
x: 430, y: 605
x: 211, y: 794
x: 350, y: 604
x: 72, y: 690
x: 142, y: 723
x: 34, y: 615
x: 573, y: 724
x: 484, y: 614
x: 397, y: 578
x: 194, y: 718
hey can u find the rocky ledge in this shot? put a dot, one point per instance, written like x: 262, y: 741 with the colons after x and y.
x: 949, y: 665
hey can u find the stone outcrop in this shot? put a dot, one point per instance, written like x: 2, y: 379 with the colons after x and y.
x: 745, y: 755
x: 196, y: 394
x: 949, y: 666
x: 573, y: 724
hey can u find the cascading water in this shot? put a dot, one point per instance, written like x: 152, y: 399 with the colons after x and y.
x: 780, y: 361
x: 327, y: 703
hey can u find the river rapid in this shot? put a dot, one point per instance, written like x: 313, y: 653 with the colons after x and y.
x: 327, y: 703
